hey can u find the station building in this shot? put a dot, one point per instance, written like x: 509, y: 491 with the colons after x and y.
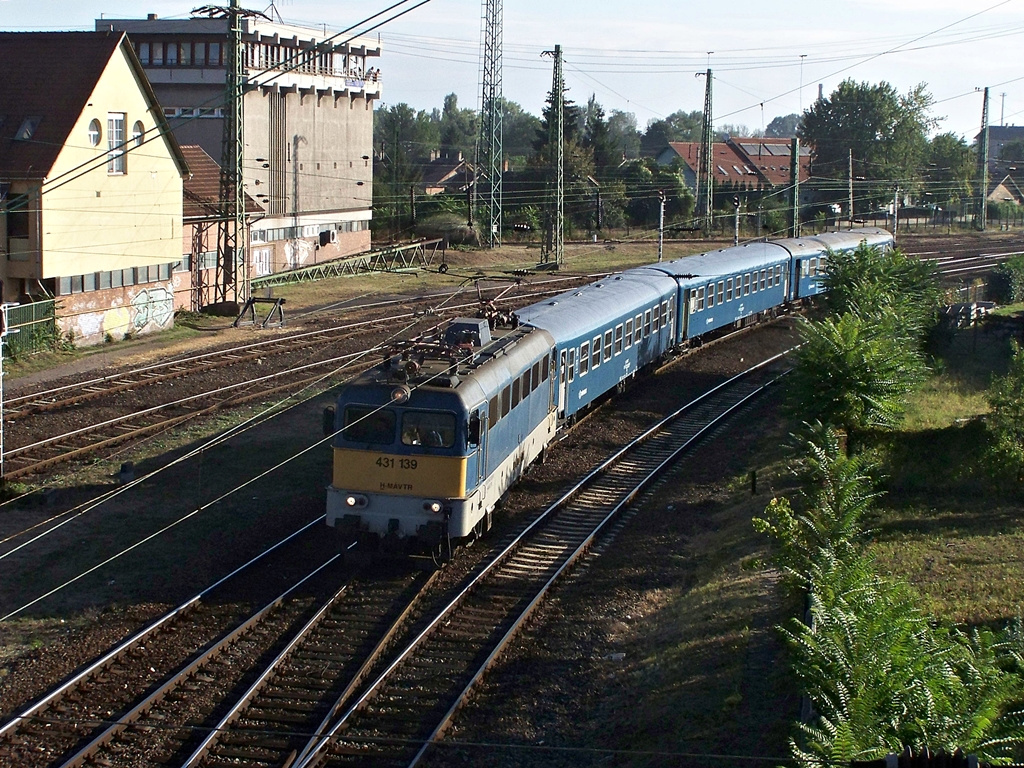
x: 307, y: 124
x: 90, y: 185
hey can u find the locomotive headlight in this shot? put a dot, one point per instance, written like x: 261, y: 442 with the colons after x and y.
x: 356, y: 500
x: 434, y: 507
x: 351, y: 501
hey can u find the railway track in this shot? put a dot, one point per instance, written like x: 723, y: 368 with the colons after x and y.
x: 413, y: 700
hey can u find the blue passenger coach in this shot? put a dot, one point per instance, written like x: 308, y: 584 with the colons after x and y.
x: 605, y: 332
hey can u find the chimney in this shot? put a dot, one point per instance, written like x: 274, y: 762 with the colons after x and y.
x: 821, y: 92
x: 150, y: 17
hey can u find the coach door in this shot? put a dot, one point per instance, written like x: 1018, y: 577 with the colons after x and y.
x: 562, y: 384
x: 797, y: 266
x: 684, y: 317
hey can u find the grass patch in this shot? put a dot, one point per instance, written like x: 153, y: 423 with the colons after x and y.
x: 945, y: 523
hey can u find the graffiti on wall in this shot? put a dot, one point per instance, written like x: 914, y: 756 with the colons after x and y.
x: 152, y: 306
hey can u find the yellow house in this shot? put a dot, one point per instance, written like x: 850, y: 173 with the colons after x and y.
x: 90, y: 184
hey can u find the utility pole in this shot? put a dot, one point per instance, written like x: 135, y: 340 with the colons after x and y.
x: 489, y: 144
x: 895, y: 209
x: 794, y: 175
x: 4, y: 331
x: 850, y: 181
x: 983, y: 160
x: 661, y: 224
x: 705, y: 158
x: 736, y: 220
x: 556, y: 134
x: 1002, y: 109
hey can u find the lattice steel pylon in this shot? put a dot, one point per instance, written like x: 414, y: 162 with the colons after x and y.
x: 705, y: 199
x: 490, y: 158
x: 556, y: 141
x: 231, y: 280
x: 982, y: 215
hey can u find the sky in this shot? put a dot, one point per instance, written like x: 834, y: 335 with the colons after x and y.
x: 643, y: 56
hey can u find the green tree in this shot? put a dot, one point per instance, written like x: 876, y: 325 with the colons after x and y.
x: 623, y: 130
x: 951, y: 168
x: 598, y: 139
x: 1005, y: 422
x: 679, y: 126
x: 887, y: 132
x: 834, y: 495
x: 855, y: 374
x: 519, y: 129
x: 867, y: 280
x: 458, y: 129
x: 783, y: 126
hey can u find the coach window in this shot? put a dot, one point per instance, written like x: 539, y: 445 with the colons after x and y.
x: 506, y: 401
x: 607, y: 346
x: 753, y: 287
x: 595, y: 352
x: 778, y: 275
x: 584, y: 358
x: 369, y: 424
x: 762, y: 279
x: 746, y: 284
x: 492, y: 411
x: 535, y: 378
x: 700, y: 298
x: 721, y: 291
x: 515, y: 392
x: 638, y: 328
x: 711, y: 295
x: 618, y: 338
x: 728, y: 289
x: 629, y: 333
x: 647, y: 323
x: 664, y: 314
x: 814, y: 267
x: 572, y: 364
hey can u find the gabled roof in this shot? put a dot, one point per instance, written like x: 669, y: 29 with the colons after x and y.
x: 47, y: 80
x: 727, y: 164
x: 202, y: 186
x: 441, y: 169
x: 771, y: 158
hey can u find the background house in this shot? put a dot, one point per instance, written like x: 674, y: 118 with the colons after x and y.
x: 91, y: 179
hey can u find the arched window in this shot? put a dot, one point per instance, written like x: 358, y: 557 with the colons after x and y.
x: 94, y: 133
x: 137, y: 131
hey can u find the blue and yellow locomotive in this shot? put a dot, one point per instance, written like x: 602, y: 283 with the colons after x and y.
x: 429, y: 441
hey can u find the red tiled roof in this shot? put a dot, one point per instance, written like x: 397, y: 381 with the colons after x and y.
x: 202, y: 185
x: 727, y: 164
x: 771, y: 158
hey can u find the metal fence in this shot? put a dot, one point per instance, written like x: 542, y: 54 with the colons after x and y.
x: 31, y: 328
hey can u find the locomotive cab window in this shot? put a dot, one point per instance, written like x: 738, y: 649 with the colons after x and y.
x: 584, y: 358
x: 435, y: 430
x: 368, y: 424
